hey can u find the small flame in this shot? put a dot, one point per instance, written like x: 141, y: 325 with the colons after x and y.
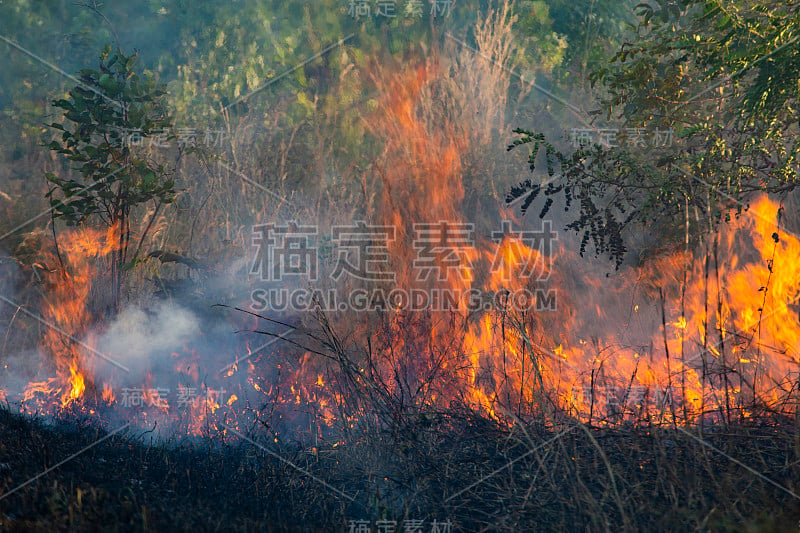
x: 107, y: 394
x: 76, y: 386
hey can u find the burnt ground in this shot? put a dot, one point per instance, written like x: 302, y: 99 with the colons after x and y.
x: 464, y: 469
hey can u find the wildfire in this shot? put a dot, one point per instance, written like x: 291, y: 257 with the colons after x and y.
x: 682, y: 351
x: 65, y: 308
x: 643, y: 344
x: 108, y: 394
x: 76, y: 387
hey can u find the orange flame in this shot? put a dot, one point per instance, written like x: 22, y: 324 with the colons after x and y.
x: 66, y: 309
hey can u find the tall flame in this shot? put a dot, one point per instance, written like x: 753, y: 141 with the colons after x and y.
x: 683, y: 337
x: 65, y: 308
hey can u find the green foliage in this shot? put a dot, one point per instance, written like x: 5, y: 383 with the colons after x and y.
x: 211, y: 54
x: 723, y: 79
x: 108, y: 115
x: 603, y: 214
x: 101, y: 112
x: 591, y: 30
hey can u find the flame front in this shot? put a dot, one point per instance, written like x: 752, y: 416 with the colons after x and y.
x: 643, y: 344
x: 686, y: 336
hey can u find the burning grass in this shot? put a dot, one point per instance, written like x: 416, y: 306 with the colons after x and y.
x: 661, y: 397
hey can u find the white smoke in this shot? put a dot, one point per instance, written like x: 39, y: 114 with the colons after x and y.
x: 142, y: 341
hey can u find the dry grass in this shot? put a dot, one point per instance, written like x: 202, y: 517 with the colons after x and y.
x: 453, y: 466
x: 404, y: 457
